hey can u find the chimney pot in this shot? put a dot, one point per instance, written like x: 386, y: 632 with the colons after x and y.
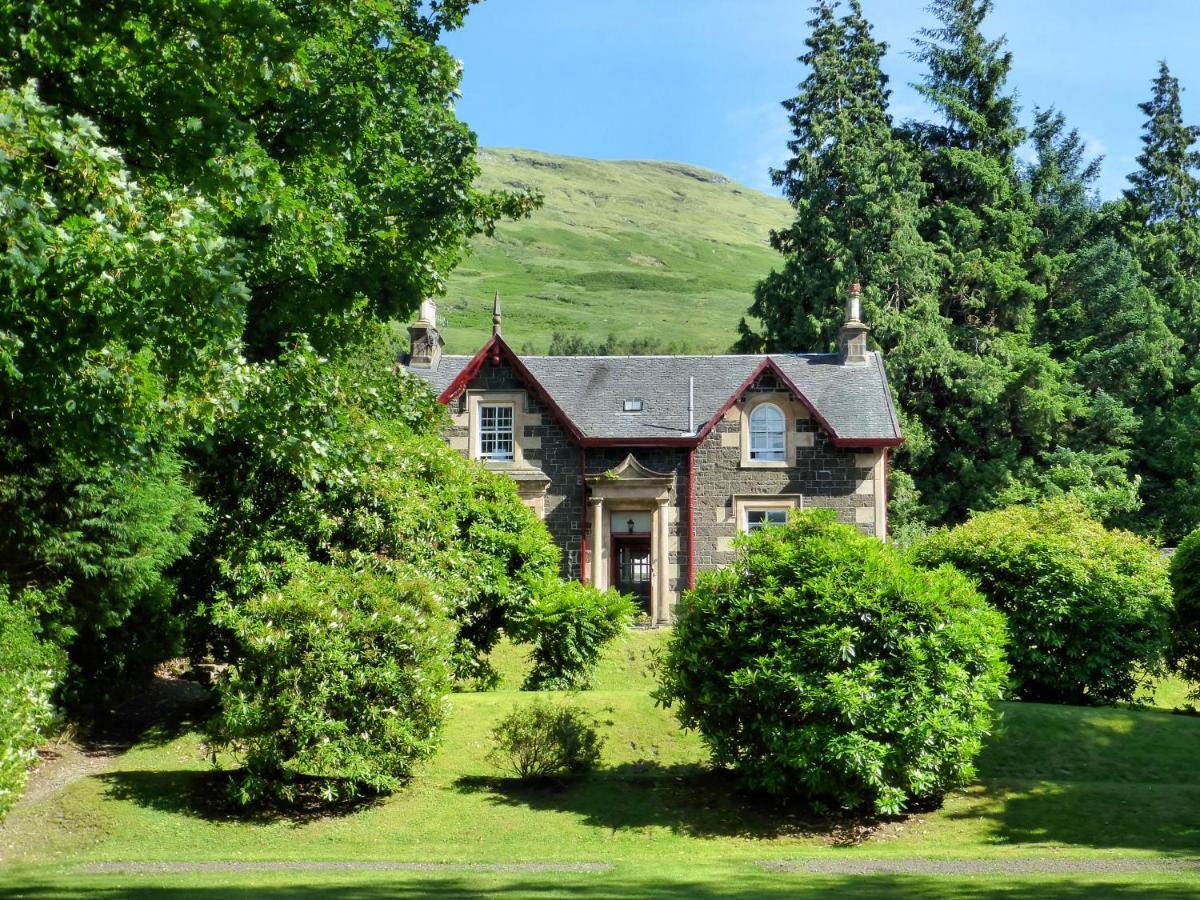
x: 425, y: 343
x: 852, y: 336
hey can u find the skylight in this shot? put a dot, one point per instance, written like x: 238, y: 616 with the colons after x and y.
x: 632, y: 404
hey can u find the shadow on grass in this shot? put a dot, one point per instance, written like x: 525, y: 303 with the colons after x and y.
x: 687, y: 799
x: 731, y: 884
x: 1100, y: 778
x: 204, y: 795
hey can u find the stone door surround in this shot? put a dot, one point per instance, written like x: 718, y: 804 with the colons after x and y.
x: 631, y: 486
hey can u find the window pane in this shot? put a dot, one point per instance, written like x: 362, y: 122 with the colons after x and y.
x: 761, y: 518
x: 496, y: 432
x: 767, y: 433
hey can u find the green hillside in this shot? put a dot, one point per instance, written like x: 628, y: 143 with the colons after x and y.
x: 640, y: 249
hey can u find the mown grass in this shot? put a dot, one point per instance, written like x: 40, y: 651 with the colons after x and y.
x: 1053, y: 782
x: 640, y: 249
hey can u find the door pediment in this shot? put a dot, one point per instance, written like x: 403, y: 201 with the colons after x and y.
x: 632, y: 481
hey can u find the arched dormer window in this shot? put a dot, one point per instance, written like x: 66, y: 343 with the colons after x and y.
x: 767, y: 440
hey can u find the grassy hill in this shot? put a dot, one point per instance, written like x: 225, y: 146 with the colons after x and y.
x: 640, y: 249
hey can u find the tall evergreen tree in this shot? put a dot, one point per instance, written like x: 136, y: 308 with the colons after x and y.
x: 856, y: 189
x: 1162, y: 227
x: 1164, y: 188
x: 980, y: 217
x: 1099, y: 318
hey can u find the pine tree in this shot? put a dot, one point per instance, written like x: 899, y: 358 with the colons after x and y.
x: 856, y: 189
x: 856, y: 192
x: 1162, y: 226
x: 980, y: 216
x: 1164, y: 188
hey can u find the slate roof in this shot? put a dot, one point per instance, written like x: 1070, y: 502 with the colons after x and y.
x: 853, y: 400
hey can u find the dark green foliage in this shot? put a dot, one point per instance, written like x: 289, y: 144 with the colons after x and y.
x: 265, y: 169
x: 29, y: 669
x: 324, y: 135
x: 1161, y: 225
x: 1164, y: 189
x: 822, y: 665
x: 1087, y: 607
x: 1185, y: 619
x: 544, y: 739
x: 121, y: 306
x: 341, y: 462
x: 1031, y: 335
x: 577, y: 345
x: 340, y: 678
x: 568, y: 624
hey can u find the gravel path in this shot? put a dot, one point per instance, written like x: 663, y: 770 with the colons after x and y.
x: 1053, y: 865
x: 172, y: 868
x: 816, y: 866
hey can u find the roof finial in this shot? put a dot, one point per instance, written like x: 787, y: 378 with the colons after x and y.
x: 496, y: 316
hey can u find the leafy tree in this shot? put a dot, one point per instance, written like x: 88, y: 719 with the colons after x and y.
x: 1087, y: 607
x: 340, y: 461
x: 279, y: 170
x: 122, y: 305
x: 29, y: 667
x: 339, y: 685
x: 323, y: 135
x: 822, y: 665
x: 568, y: 624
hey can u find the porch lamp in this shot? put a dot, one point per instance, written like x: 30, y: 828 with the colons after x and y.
x: 630, y: 524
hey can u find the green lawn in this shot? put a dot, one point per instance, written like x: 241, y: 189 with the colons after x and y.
x: 1055, y: 782
x: 640, y: 249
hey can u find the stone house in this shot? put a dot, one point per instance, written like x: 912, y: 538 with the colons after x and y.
x: 645, y: 468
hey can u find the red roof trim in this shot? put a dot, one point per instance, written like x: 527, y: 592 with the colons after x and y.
x: 834, y: 438
x: 497, y: 348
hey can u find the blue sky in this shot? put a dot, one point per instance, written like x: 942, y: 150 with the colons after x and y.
x: 700, y: 81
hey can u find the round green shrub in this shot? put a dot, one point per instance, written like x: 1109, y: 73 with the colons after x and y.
x: 822, y: 665
x: 28, y: 670
x: 1185, y: 621
x: 1087, y: 607
x: 339, y: 683
x: 568, y: 625
x: 543, y: 740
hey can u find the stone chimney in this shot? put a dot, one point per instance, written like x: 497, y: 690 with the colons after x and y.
x: 852, y: 336
x: 425, y: 347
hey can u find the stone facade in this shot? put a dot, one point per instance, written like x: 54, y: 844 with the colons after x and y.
x: 557, y: 477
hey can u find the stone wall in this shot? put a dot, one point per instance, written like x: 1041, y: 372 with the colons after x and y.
x: 818, y: 474
x: 666, y: 460
x: 547, y: 448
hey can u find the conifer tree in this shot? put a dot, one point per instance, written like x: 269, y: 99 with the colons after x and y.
x: 980, y: 217
x: 856, y: 189
x: 1165, y: 188
x: 856, y: 192
x: 1162, y: 227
